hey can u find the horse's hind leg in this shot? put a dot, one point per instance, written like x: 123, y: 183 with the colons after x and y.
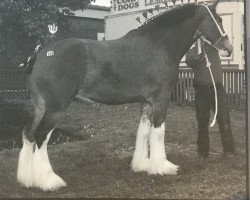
x: 34, y: 168
x: 43, y: 174
x: 25, y: 171
x: 140, y: 158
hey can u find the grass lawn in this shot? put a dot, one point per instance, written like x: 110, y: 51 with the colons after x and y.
x: 99, y: 165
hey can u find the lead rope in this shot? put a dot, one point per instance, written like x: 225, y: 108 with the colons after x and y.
x: 208, y: 65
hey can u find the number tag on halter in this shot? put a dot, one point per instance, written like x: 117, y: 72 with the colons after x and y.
x: 50, y: 53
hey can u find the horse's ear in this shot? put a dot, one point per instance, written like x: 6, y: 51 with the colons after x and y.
x: 213, y: 6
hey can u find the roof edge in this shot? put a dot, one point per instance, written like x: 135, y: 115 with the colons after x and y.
x: 96, y: 7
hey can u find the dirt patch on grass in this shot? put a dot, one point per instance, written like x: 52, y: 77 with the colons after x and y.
x: 99, y: 166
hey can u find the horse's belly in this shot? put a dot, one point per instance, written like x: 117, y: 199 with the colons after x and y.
x: 111, y: 95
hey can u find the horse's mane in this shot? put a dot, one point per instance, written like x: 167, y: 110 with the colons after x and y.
x: 171, y: 16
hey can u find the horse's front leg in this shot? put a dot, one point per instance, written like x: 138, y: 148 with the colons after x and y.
x: 140, y: 159
x: 158, y: 163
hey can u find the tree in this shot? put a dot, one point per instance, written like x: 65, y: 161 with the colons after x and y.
x: 24, y: 22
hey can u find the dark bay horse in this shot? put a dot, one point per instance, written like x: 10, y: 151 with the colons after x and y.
x: 141, y: 67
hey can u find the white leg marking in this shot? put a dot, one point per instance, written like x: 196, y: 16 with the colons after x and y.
x: 158, y: 164
x: 44, y: 177
x: 140, y: 158
x: 24, y: 170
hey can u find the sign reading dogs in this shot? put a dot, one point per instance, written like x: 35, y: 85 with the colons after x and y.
x: 120, y: 5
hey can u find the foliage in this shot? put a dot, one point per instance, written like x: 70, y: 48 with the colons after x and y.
x: 24, y: 22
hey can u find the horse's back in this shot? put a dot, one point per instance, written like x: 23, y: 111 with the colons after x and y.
x: 68, y: 54
x: 59, y: 52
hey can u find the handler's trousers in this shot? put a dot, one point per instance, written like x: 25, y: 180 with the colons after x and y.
x: 204, y: 100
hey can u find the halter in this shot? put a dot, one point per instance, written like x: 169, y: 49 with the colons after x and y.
x: 222, y: 33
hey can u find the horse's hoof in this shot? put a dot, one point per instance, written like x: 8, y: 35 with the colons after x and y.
x: 140, y: 165
x: 162, y: 168
x: 25, y: 176
x: 26, y: 181
x: 50, y: 182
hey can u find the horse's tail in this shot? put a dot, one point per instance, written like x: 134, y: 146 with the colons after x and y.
x: 28, y: 63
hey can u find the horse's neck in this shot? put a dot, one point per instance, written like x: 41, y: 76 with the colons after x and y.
x: 183, y: 38
x: 176, y: 40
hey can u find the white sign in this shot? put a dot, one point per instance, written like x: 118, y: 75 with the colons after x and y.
x: 154, y: 2
x: 124, y: 6
x: 52, y: 28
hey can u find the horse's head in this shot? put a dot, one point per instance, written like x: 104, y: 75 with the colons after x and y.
x: 212, y: 29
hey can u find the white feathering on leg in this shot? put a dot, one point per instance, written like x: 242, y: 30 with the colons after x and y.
x: 140, y: 158
x: 158, y: 164
x: 44, y: 177
x: 24, y: 170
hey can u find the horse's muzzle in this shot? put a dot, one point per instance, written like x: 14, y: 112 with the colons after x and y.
x: 225, y: 47
x: 225, y: 53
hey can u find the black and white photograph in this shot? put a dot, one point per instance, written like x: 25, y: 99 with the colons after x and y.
x: 143, y: 99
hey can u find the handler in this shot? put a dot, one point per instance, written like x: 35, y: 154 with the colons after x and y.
x: 204, y: 97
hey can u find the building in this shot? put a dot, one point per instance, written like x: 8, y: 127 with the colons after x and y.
x: 123, y: 14
x: 87, y: 23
